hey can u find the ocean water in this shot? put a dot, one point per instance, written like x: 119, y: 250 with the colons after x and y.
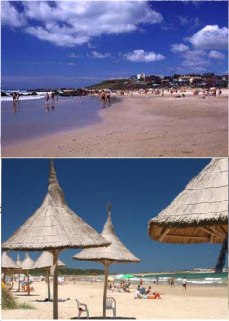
x: 32, y: 118
x: 192, y: 278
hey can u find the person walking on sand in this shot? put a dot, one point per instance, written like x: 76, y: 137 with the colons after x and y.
x: 47, y: 97
x: 14, y: 96
x: 102, y: 96
x: 184, y: 282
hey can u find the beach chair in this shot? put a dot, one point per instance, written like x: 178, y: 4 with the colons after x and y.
x: 111, y: 305
x: 82, y: 308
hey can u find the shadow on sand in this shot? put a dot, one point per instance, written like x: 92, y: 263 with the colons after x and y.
x: 100, y: 318
x: 26, y: 294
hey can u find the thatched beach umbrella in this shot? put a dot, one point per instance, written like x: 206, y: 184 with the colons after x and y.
x: 54, y: 227
x: 7, y: 264
x: 200, y: 212
x: 114, y: 253
x: 27, y: 265
x: 45, y: 261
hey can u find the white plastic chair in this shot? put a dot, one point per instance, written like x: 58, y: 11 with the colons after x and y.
x: 82, y: 308
x: 111, y: 305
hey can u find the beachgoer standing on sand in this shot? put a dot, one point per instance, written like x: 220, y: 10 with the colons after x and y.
x: 184, y: 282
x: 14, y: 96
x: 102, y: 97
x: 47, y: 97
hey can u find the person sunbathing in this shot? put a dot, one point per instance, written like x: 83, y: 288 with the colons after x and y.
x: 155, y: 295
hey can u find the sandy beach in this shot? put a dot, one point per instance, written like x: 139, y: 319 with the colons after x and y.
x: 198, y: 302
x: 141, y: 126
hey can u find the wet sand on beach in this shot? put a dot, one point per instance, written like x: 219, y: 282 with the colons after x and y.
x: 198, y: 302
x: 141, y: 126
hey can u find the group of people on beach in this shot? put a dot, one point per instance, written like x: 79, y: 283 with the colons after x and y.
x: 50, y: 101
x: 105, y: 97
x: 142, y: 293
x: 207, y: 92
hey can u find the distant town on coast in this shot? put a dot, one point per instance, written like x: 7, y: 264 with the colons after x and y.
x: 138, y: 81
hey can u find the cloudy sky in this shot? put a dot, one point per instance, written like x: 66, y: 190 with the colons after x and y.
x: 75, y: 43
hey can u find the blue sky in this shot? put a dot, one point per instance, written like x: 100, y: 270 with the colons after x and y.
x: 77, y: 43
x: 138, y: 190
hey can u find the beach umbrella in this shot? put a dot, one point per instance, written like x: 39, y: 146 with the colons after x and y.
x: 27, y: 265
x: 45, y: 262
x: 127, y: 276
x: 115, y: 253
x: 54, y: 227
x: 7, y: 263
x: 200, y: 212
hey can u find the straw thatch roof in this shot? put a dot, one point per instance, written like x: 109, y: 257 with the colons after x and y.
x: 27, y: 263
x: 45, y: 260
x: 54, y: 225
x: 18, y: 261
x: 116, y: 252
x: 7, y: 262
x: 200, y: 212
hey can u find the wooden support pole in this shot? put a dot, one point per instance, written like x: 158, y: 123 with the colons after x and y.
x: 28, y: 287
x: 164, y: 233
x: 48, y: 283
x: 212, y: 238
x: 55, y: 285
x: 199, y: 238
x: 12, y: 280
x: 217, y: 233
x: 105, y: 288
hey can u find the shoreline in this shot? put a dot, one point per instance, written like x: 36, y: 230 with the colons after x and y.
x: 141, y: 126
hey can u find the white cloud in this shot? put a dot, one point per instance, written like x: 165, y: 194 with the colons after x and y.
x: 179, y: 47
x: 139, y: 55
x: 216, y: 55
x: 210, y: 37
x: 195, y: 60
x: 99, y: 55
x: 70, y: 23
x: 10, y: 16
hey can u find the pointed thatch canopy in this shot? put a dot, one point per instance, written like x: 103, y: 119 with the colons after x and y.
x: 114, y: 253
x: 45, y: 260
x: 7, y: 262
x: 54, y: 226
x: 18, y: 261
x: 27, y: 263
x: 199, y: 213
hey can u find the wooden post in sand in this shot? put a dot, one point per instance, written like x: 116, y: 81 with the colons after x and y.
x: 28, y: 287
x: 55, y: 285
x: 48, y: 282
x: 105, y: 287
